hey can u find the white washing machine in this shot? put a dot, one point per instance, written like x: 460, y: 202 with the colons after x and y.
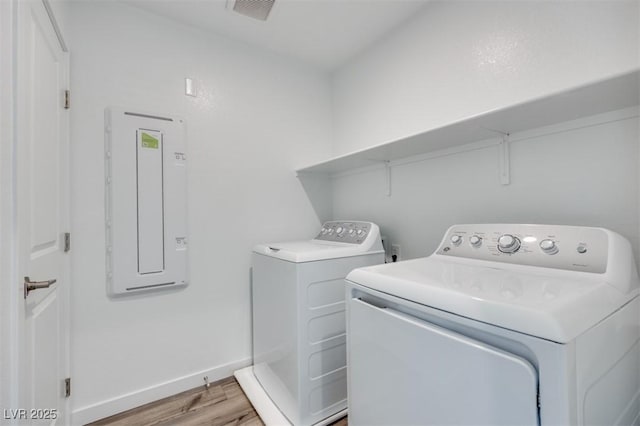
x: 299, y: 343
x: 502, y: 325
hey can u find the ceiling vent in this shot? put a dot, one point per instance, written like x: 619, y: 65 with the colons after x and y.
x: 257, y: 9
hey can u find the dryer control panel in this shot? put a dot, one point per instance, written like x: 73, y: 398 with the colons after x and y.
x: 552, y: 246
x: 344, y: 232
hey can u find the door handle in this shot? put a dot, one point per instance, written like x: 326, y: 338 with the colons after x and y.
x: 35, y: 285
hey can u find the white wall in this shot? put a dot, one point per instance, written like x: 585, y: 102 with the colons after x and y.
x: 578, y: 173
x: 257, y: 117
x: 461, y: 58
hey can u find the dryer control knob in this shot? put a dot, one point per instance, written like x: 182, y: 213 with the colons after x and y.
x: 507, y: 243
x: 548, y: 246
x: 475, y: 241
x: 456, y: 240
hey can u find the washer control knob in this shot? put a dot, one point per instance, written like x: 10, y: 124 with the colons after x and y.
x: 475, y: 241
x: 324, y: 231
x: 548, y: 246
x: 456, y: 240
x: 581, y: 249
x: 507, y: 243
x: 339, y: 230
x: 351, y: 231
x: 360, y: 231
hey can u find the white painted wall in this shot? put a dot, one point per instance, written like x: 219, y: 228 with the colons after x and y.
x: 461, y: 58
x: 458, y: 59
x: 257, y: 117
x: 583, y: 172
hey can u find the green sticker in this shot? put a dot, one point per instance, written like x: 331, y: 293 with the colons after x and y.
x: 149, y: 141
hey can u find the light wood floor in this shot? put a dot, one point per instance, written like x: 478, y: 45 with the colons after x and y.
x: 223, y: 403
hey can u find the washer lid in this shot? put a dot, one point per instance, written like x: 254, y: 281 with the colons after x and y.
x: 309, y: 251
x: 554, y: 305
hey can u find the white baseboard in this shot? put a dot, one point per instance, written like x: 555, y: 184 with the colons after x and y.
x: 109, y: 407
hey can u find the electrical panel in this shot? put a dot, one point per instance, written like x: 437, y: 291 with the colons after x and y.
x: 146, y: 201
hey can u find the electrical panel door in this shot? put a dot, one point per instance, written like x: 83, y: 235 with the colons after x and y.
x: 146, y: 201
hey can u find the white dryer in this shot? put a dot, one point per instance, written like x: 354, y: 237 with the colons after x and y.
x: 299, y: 343
x: 502, y: 325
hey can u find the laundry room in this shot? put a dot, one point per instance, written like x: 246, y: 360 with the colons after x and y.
x: 378, y: 129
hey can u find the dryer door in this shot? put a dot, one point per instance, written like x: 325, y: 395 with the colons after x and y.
x: 405, y: 371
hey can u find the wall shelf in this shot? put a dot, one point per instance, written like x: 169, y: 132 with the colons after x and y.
x: 610, y: 94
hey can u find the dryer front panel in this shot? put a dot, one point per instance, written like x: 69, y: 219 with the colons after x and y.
x: 405, y: 371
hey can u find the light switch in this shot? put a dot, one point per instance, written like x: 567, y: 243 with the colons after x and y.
x: 190, y: 87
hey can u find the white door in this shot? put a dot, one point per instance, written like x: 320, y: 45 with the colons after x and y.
x: 42, y: 214
x: 405, y: 371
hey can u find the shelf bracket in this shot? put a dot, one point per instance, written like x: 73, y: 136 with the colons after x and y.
x: 387, y: 172
x: 505, y: 160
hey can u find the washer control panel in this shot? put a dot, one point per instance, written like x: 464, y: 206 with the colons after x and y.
x: 344, y: 232
x: 552, y: 246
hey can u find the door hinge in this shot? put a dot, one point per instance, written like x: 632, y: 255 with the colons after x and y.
x: 67, y: 241
x: 67, y: 387
x: 67, y: 99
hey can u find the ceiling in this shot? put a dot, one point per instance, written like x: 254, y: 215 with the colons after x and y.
x: 325, y: 33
